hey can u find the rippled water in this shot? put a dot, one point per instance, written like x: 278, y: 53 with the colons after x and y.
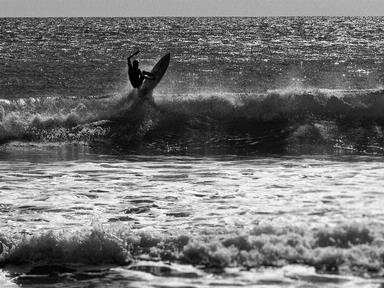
x: 261, y: 167
x: 190, y: 193
x: 87, y: 56
x: 63, y: 189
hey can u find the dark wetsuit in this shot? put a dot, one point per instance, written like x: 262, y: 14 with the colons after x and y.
x: 136, y: 76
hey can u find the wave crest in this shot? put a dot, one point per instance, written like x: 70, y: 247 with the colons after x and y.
x: 276, y: 121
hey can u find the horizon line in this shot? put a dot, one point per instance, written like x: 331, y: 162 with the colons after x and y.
x: 200, y: 16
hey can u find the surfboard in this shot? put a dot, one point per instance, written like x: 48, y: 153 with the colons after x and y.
x: 130, y: 101
x: 158, y: 70
x: 145, y: 93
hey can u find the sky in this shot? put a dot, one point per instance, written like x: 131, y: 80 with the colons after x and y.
x: 133, y: 8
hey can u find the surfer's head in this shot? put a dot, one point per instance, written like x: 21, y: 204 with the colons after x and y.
x: 135, y: 64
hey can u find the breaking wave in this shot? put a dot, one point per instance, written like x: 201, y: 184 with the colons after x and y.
x: 278, y: 121
x: 345, y: 249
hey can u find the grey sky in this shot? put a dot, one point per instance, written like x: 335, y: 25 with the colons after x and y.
x: 127, y: 8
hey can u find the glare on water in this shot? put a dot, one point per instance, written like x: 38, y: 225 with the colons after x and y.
x: 190, y: 193
x: 53, y: 190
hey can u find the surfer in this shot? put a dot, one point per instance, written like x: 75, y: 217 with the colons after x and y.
x: 136, y: 76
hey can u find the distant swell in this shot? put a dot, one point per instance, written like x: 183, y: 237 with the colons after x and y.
x: 290, y: 120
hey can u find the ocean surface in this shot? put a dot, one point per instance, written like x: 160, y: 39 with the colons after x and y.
x: 262, y: 165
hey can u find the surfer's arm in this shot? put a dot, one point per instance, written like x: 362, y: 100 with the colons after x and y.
x: 137, y: 52
x: 129, y: 58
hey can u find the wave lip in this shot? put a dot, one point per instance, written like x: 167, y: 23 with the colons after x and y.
x: 279, y: 121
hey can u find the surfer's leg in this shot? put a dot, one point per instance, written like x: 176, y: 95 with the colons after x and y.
x: 141, y: 80
x: 148, y: 75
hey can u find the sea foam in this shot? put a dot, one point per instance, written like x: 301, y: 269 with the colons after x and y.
x: 284, y: 119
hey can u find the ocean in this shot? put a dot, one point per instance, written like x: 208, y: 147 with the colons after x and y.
x: 260, y: 167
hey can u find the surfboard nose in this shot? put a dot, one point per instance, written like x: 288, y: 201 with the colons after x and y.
x: 158, y: 71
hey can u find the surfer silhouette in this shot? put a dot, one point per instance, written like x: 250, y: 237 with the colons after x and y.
x: 136, y: 76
